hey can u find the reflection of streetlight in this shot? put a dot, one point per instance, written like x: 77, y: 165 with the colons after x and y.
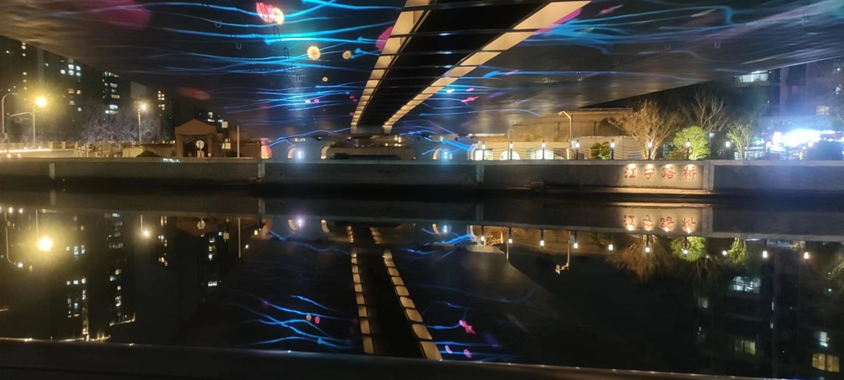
x: 41, y: 102
x: 45, y: 243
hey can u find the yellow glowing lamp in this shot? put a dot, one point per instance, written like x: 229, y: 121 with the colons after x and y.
x: 45, y: 243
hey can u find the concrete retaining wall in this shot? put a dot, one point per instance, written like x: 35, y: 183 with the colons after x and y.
x: 657, y: 177
x: 371, y: 173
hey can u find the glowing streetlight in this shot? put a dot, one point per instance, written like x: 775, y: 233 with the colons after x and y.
x: 806, y: 256
x: 612, y: 149
x: 142, y: 107
x: 40, y: 102
x: 764, y: 254
x: 45, y: 243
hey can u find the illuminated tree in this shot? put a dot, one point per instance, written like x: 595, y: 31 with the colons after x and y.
x: 698, y: 139
x: 741, y: 134
x: 649, y: 123
x: 600, y: 151
x: 99, y: 124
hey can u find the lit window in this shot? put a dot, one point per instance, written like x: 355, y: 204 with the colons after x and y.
x: 64, y: 72
x: 703, y: 302
x: 72, y: 102
x: 79, y: 109
x: 823, y: 338
x: 78, y: 92
x: 24, y: 81
x: 112, y: 106
x: 113, y: 96
x: 756, y: 76
x: 23, y: 55
x: 71, y: 91
x: 746, y: 284
x: 825, y: 362
x: 24, y: 73
x: 822, y: 110
x: 745, y: 346
x: 77, y: 68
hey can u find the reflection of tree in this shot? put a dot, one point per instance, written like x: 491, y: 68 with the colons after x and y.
x: 695, y: 248
x: 666, y: 259
x: 738, y: 253
x: 634, y: 258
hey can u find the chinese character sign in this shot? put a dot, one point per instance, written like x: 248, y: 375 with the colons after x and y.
x: 681, y: 176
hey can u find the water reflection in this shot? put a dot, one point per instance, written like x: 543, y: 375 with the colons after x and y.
x: 652, y: 293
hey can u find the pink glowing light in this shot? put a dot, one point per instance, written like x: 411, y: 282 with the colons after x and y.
x: 316, y: 100
x: 316, y: 320
x: 466, y: 326
x: 470, y: 89
x: 122, y: 13
x: 448, y: 349
x: 382, y: 39
x: 269, y: 13
x: 194, y: 93
x: 511, y: 72
x: 609, y: 10
x: 469, y: 99
x: 467, y: 353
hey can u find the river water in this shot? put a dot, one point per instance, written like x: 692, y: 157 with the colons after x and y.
x: 694, y: 288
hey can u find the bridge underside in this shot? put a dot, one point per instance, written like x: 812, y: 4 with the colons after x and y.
x: 335, y: 65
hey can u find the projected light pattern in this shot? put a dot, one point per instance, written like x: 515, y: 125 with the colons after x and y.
x: 472, y: 320
x: 295, y: 324
x: 262, y: 63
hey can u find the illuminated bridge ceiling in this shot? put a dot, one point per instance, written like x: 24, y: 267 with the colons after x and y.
x: 288, y: 66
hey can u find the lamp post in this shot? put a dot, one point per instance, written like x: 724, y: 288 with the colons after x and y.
x: 728, y: 148
x: 688, y: 149
x: 543, y: 149
x: 141, y: 107
x: 510, y: 152
x: 3, y: 117
x: 650, y: 147
x: 612, y: 149
x: 577, y: 149
x: 40, y: 102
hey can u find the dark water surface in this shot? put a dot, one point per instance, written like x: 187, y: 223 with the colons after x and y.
x: 682, y: 288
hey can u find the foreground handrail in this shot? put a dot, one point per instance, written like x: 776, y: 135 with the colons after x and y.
x: 52, y: 360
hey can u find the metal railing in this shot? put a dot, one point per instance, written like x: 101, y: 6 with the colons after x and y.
x: 22, y: 359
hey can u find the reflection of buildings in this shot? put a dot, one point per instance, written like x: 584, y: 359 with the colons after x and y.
x: 105, y: 278
x: 120, y: 270
x: 767, y: 323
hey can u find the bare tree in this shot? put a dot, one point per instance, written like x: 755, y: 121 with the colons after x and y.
x: 649, y: 123
x: 741, y: 134
x: 706, y: 110
x: 99, y: 124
